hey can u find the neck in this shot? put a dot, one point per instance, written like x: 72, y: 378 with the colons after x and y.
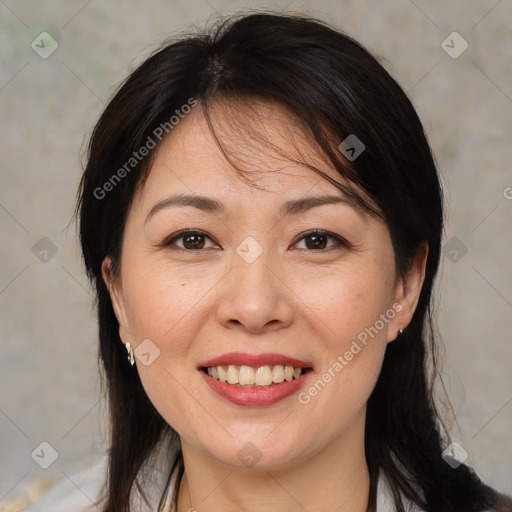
x: 336, y: 478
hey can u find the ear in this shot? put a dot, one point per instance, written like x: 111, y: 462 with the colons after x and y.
x: 408, y: 291
x: 117, y: 299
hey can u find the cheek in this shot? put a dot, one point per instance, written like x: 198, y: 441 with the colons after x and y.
x: 161, y: 303
x: 167, y: 306
x: 166, y: 309
x: 349, y: 303
x: 353, y: 313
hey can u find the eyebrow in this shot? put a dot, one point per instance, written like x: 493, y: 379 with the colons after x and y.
x: 291, y: 207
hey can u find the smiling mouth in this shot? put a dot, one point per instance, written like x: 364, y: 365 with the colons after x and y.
x: 255, y: 377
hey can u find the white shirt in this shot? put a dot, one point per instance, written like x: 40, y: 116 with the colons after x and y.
x: 78, y: 491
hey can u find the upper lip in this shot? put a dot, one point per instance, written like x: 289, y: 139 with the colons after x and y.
x: 255, y: 360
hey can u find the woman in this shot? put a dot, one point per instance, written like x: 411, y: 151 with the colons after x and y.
x: 261, y: 217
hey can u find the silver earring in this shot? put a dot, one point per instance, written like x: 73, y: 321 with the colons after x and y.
x: 129, y: 349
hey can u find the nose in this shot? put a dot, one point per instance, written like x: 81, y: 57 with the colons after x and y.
x: 255, y: 297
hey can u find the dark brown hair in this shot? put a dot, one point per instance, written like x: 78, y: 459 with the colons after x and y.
x: 334, y: 88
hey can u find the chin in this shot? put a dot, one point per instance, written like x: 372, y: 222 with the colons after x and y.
x: 257, y: 453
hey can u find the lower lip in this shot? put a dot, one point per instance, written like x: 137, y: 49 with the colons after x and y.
x: 255, y: 397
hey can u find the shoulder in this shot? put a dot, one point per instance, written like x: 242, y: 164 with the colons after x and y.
x: 482, y: 498
x: 81, y: 491
x: 78, y: 491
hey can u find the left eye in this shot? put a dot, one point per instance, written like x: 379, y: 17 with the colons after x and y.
x: 318, y: 240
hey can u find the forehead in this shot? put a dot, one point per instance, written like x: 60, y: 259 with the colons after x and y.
x: 261, y: 139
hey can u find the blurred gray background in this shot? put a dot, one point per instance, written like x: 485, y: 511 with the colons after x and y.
x: 49, y: 103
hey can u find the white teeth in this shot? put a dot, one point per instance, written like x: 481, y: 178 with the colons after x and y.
x: 232, y: 375
x: 278, y: 374
x: 222, y: 374
x: 263, y: 376
x: 249, y: 376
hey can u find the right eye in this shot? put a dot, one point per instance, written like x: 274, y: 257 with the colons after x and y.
x: 191, y: 240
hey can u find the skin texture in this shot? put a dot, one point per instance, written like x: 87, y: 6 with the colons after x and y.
x: 310, y: 304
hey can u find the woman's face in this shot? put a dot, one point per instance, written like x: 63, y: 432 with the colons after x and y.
x: 287, y: 273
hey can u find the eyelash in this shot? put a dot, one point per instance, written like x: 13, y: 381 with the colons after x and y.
x: 341, y: 242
